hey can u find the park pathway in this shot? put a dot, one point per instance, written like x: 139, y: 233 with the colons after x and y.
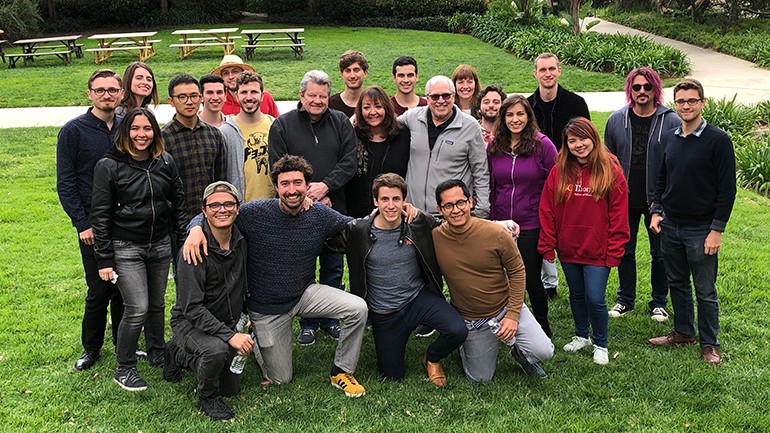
x: 722, y: 76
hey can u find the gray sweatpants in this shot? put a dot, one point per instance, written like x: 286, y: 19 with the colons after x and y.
x: 274, y: 332
x: 479, y: 352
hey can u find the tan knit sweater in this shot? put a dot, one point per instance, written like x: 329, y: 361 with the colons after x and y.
x: 482, y: 267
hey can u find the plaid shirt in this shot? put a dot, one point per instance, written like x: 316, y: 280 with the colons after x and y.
x: 200, y: 157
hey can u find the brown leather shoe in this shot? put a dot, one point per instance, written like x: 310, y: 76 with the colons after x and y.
x: 435, y: 372
x: 711, y: 354
x: 672, y: 339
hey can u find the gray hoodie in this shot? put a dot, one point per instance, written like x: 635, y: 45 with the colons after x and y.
x: 459, y: 153
x: 617, y: 138
x: 234, y: 153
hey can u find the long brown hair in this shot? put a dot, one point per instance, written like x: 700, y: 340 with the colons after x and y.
x: 123, y: 138
x: 528, y: 141
x: 129, y: 101
x: 600, y: 163
x: 376, y: 95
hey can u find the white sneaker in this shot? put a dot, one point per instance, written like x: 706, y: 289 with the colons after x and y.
x: 659, y: 314
x: 601, y: 356
x: 577, y: 343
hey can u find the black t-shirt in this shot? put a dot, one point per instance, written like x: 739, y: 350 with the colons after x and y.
x: 637, y: 174
x: 434, y: 131
x: 336, y: 102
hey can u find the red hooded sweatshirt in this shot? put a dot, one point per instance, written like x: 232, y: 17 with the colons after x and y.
x: 581, y: 229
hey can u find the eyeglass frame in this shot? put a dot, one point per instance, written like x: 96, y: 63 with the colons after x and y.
x: 194, y: 97
x: 100, y: 91
x: 691, y: 102
x: 637, y: 87
x: 435, y: 97
x: 228, y: 206
x: 459, y: 204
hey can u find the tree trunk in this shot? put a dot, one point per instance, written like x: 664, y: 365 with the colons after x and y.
x: 164, y: 6
x: 51, y: 6
x: 699, y: 7
x: 574, y: 11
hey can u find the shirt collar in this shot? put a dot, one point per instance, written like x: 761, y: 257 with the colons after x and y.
x: 698, y: 131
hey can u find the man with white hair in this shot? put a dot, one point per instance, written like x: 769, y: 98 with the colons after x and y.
x: 326, y: 139
x: 445, y: 144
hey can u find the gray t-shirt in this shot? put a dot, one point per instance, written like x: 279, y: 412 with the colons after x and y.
x: 393, y: 274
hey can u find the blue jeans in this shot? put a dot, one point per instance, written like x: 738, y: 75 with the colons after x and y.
x: 142, y: 275
x: 627, y: 267
x: 685, y: 254
x: 391, y: 332
x: 332, y: 266
x: 587, y: 293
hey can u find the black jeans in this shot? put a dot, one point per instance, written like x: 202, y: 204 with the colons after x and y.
x: 627, y: 267
x: 533, y: 262
x: 100, y: 294
x: 209, y: 357
x: 392, y: 331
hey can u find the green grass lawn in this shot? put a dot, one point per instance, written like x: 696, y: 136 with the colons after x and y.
x: 643, y: 389
x: 47, y: 82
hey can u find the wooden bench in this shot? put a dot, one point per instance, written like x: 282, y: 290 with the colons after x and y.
x: 144, y: 53
x: 274, y: 38
x: 187, y: 49
x: 77, y: 47
x: 64, y: 55
x: 210, y: 38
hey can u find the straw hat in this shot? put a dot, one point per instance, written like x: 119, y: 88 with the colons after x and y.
x: 231, y: 60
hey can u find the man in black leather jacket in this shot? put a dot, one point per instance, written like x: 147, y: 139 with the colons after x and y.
x: 393, y: 267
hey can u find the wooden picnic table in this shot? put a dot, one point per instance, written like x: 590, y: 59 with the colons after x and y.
x: 274, y: 38
x: 61, y: 46
x: 196, y: 38
x: 111, y: 42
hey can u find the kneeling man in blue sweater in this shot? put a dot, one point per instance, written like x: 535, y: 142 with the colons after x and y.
x: 284, y: 242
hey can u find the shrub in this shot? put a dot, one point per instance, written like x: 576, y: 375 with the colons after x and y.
x: 434, y: 24
x: 19, y: 18
x: 731, y: 116
x: 752, y: 165
x: 346, y: 12
x: 282, y: 6
x: 590, y: 51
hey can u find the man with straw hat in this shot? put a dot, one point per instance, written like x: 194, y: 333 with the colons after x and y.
x: 229, y: 68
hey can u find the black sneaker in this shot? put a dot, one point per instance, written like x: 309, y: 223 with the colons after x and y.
x: 171, y: 371
x: 306, y: 337
x: 424, y: 331
x: 530, y: 368
x: 129, y: 379
x: 618, y: 310
x: 333, y: 331
x: 216, y: 408
x: 550, y: 292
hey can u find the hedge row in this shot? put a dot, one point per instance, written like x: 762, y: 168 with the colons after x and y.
x: 590, y: 51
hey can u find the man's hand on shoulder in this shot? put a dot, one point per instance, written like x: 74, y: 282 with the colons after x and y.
x: 196, y: 241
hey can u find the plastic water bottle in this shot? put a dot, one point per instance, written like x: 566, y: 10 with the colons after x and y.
x: 239, y: 361
x: 494, y: 326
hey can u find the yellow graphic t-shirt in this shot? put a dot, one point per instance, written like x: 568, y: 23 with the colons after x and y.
x: 255, y: 168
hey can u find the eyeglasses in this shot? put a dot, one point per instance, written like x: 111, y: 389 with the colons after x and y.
x: 216, y: 206
x: 638, y: 87
x: 436, y: 96
x: 459, y: 204
x: 113, y: 91
x: 195, y: 97
x: 690, y: 102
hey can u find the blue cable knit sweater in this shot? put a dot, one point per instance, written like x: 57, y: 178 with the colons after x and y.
x: 282, y: 251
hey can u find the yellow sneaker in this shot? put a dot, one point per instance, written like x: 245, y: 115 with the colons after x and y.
x: 348, y: 383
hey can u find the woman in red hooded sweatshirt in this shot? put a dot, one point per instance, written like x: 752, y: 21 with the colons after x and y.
x: 584, y: 218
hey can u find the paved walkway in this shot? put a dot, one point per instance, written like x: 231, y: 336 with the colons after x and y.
x: 722, y: 76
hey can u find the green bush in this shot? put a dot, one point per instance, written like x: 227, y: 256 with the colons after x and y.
x: 345, y: 12
x: 19, y: 19
x: 747, y: 39
x: 731, y: 116
x: 752, y: 164
x: 281, y: 6
x: 434, y: 24
x: 590, y: 51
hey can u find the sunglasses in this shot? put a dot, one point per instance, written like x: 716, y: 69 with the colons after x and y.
x: 638, y: 87
x: 436, y: 96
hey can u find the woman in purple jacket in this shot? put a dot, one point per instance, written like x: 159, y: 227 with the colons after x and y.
x: 520, y: 157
